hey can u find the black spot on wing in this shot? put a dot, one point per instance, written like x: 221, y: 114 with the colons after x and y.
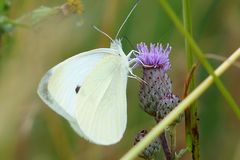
x: 77, y: 89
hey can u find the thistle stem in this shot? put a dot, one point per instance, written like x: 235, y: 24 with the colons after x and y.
x: 165, y: 146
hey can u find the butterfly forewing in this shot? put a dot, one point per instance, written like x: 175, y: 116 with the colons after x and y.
x: 58, y: 86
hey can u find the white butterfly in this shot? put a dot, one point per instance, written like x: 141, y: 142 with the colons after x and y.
x: 89, y: 90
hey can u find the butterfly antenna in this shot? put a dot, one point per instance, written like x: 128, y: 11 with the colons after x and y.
x: 102, y: 32
x: 129, y: 14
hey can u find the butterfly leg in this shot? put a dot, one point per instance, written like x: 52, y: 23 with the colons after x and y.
x: 135, y: 60
x: 134, y: 66
x: 135, y: 76
x: 138, y: 79
x: 132, y: 52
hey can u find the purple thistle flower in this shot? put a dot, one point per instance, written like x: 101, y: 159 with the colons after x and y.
x: 155, y: 56
x: 156, y: 95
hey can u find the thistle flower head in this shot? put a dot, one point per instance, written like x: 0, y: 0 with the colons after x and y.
x: 155, y: 56
x: 156, y: 95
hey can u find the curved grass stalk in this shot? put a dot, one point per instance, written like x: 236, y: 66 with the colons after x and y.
x: 159, y: 128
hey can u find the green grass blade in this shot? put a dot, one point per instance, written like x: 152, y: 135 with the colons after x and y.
x: 191, y: 114
x: 200, y: 56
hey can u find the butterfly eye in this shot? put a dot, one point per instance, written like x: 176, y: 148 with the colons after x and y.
x: 77, y: 89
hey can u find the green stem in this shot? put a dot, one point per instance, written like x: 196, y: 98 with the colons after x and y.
x: 176, y: 112
x: 191, y: 114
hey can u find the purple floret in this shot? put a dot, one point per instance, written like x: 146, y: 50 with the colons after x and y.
x: 154, y: 57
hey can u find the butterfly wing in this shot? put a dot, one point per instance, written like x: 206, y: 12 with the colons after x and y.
x: 59, y: 85
x: 101, y: 103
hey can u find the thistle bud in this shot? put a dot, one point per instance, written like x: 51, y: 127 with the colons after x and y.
x: 151, y: 149
x: 166, y: 104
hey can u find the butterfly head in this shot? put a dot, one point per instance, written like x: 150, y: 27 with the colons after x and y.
x: 117, y: 45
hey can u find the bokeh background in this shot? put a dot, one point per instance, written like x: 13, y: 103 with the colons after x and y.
x: 29, y: 130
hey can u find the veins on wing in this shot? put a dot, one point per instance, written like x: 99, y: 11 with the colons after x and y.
x: 110, y: 83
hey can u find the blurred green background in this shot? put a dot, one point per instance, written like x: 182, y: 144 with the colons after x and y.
x: 29, y: 130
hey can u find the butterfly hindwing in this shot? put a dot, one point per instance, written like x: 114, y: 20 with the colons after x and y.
x: 104, y: 91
